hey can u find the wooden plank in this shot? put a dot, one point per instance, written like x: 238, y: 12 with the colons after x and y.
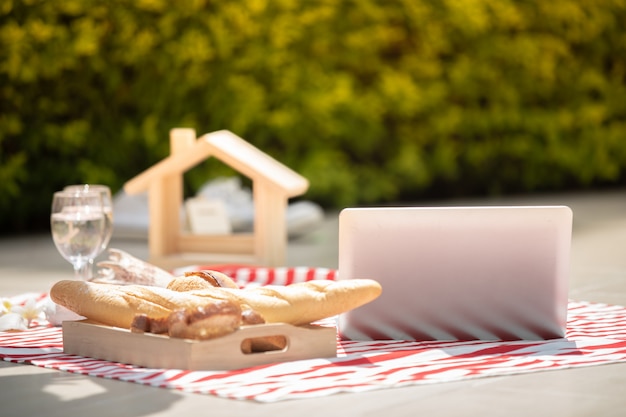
x: 164, y: 207
x: 181, y: 139
x: 253, y: 163
x: 174, y: 164
x: 270, y: 229
x: 223, y: 244
x: 178, y: 260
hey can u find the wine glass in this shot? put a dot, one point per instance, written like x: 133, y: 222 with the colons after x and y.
x: 107, y: 207
x: 77, y: 222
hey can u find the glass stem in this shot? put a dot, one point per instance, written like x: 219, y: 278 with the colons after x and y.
x: 83, y: 271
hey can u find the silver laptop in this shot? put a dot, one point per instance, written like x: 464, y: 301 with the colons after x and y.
x: 458, y: 273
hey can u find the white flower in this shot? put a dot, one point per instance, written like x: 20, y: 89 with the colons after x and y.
x: 13, y: 321
x: 30, y: 310
x: 5, y: 306
x: 19, y: 317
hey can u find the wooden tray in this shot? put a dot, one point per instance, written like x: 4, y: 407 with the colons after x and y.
x: 158, y: 351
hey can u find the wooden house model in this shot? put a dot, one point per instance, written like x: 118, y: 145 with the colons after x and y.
x: 272, y: 185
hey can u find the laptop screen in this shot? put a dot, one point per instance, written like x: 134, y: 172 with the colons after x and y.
x: 458, y: 273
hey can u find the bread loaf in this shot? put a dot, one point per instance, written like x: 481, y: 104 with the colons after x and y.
x: 117, y: 305
x: 300, y: 303
x: 297, y: 304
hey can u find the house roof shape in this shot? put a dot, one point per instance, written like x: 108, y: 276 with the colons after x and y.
x: 272, y: 185
x: 232, y: 151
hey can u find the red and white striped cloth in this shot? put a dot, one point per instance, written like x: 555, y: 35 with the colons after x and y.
x: 596, y: 335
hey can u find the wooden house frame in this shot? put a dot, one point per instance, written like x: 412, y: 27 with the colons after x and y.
x: 272, y: 185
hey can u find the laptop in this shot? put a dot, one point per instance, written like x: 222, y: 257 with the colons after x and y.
x: 458, y: 273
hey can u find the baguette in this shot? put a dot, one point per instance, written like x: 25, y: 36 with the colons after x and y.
x: 116, y: 305
x: 296, y: 304
x: 300, y: 303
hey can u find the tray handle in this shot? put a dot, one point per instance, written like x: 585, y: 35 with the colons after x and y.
x: 293, y: 341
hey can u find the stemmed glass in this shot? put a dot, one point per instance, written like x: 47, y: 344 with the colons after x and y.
x: 107, y: 207
x: 77, y: 222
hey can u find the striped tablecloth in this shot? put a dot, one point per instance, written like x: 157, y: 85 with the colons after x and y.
x: 596, y: 335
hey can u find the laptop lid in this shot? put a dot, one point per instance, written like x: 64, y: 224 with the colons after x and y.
x: 458, y: 273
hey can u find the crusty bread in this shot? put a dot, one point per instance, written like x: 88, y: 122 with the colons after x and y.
x: 117, y: 305
x: 201, y: 279
x: 188, y: 283
x: 300, y: 303
x: 297, y: 304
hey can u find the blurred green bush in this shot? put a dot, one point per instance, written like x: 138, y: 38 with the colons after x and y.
x: 373, y: 101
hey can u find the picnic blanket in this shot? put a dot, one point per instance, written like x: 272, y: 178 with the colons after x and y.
x: 596, y: 334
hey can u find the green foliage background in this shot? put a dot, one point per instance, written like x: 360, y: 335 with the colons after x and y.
x: 372, y: 100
